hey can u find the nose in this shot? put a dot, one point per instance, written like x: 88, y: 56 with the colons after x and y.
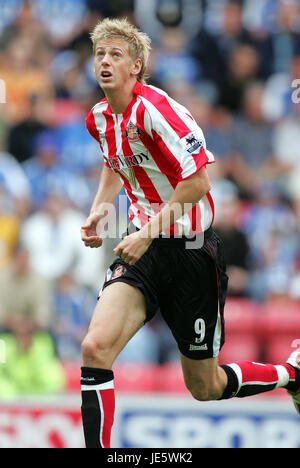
x: 105, y: 59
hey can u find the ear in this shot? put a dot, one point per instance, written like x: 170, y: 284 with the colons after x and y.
x: 136, y: 66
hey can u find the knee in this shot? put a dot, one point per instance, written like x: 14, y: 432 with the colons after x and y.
x: 204, y: 391
x: 96, y: 351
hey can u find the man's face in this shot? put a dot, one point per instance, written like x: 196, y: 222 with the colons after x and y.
x: 113, y: 65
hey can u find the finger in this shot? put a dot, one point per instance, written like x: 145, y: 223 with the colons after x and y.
x: 93, y: 243
x: 91, y: 239
x: 85, y: 227
x: 118, y: 251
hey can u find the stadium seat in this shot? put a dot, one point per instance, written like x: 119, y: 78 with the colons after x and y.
x: 280, y: 330
x: 279, y: 348
x: 282, y: 318
x: 241, y: 316
x: 241, y: 337
x: 240, y: 348
x: 131, y: 377
x: 170, y: 378
x: 73, y: 373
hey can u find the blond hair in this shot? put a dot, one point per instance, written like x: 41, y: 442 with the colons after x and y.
x: 139, y: 43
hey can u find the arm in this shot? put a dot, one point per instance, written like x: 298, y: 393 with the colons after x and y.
x: 188, y: 192
x: 109, y: 187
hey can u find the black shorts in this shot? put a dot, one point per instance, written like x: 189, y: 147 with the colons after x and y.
x: 187, y: 285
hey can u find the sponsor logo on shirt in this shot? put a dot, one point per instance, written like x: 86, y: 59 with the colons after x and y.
x: 121, y: 162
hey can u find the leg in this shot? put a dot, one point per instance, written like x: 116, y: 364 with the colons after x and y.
x: 203, y: 378
x: 206, y: 380
x: 119, y: 314
x: 195, y: 318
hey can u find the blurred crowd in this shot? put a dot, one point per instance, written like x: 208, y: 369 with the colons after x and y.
x: 234, y: 64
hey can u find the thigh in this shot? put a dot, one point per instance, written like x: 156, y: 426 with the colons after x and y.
x: 119, y: 314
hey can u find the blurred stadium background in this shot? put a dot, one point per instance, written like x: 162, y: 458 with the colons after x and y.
x: 233, y: 64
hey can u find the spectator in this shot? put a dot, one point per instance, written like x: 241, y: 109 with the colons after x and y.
x: 258, y: 19
x: 287, y: 153
x: 235, y: 243
x: 241, y: 71
x: 251, y: 143
x: 62, y: 20
x: 271, y: 229
x: 213, y: 49
x: 24, y: 293
x: 46, y: 174
x: 23, y: 78
x: 14, y: 205
x: 9, y: 11
x: 31, y: 365
x: 286, y: 36
x: 147, y: 342
x: 72, y: 305
x: 15, y: 184
x: 113, y: 8
x: 9, y: 226
x: 52, y: 237
x: 171, y: 61
x: 219, y: 134
x: 153, y: 15
x: 69, y: 77
x: 21, y: 137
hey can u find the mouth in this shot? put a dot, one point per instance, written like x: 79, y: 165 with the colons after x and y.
x: 105, y: 75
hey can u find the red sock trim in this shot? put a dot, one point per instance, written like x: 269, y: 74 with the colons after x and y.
x: 107, y: 408
x: 291, y: 370
x: 256, y: 378
x: 258, y: 373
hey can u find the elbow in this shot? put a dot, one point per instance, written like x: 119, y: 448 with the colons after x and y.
x: 203, y: 181
x: 200, y: 193
x: 208, y: 187
x: 205, y: 188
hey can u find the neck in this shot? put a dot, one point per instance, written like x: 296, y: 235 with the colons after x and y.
x: 119, y: 100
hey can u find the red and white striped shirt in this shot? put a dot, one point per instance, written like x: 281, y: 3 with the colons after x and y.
x: 153, y: 145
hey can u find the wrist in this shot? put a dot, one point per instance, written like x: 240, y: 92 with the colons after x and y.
x: 147, y: 233
x: 97, y: 214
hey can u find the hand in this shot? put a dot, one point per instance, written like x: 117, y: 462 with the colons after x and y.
x: 89, y: 232
x: 132, y: 247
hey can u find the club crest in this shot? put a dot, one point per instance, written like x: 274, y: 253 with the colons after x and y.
x: 118, y: 271
x: 133, y: 133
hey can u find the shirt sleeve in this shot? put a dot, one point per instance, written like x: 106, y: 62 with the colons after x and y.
x: 179, y: 138
x: 91, y: 125
x: 92, y: 129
